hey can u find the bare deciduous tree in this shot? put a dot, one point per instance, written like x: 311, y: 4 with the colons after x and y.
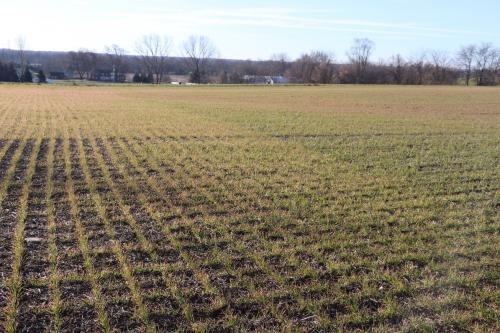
x: 496, y: 65
x: 324, y: 70
x: 83, y: 62
x: 440, y: 62
x: 486, y: 58
x: 359, y: 56
x: 303, y: 69
x: 198, y: 51
x: 398, y: 68
x: 22, y: 57
x: 280, y: 63
x: 465, y: 59
x: 116, y: 57
x: 315, y: 67
x: 154, y: 51
x: 419, y: 66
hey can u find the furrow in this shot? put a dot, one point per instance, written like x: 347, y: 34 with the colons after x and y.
x: 24, y: 178
x: 77, y: 311
x: 191, y: 248
x: 115, y: 255
x: 166, y: 315
x: 10, y: 206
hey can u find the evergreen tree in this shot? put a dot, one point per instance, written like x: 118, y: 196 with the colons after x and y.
x: 3, y: 72
x: 142, y: 78
x: 12, y: 74
x: 137, y: 78
x: 26, y: 76
x: 41, y: 77
x: 8, y: 73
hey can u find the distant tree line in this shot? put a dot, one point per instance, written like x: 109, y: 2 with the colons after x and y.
x: 153, y: 64
x: 472, y: 64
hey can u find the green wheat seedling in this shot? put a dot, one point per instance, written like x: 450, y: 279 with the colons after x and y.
x: 214, y: 209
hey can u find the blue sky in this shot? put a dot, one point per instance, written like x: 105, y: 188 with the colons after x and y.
x: 253, y: 29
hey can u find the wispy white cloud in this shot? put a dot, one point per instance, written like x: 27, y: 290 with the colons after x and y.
x: 290, y: 18
x: 251, y: 31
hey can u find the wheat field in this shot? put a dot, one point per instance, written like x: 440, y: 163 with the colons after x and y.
x: 234, y: 209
